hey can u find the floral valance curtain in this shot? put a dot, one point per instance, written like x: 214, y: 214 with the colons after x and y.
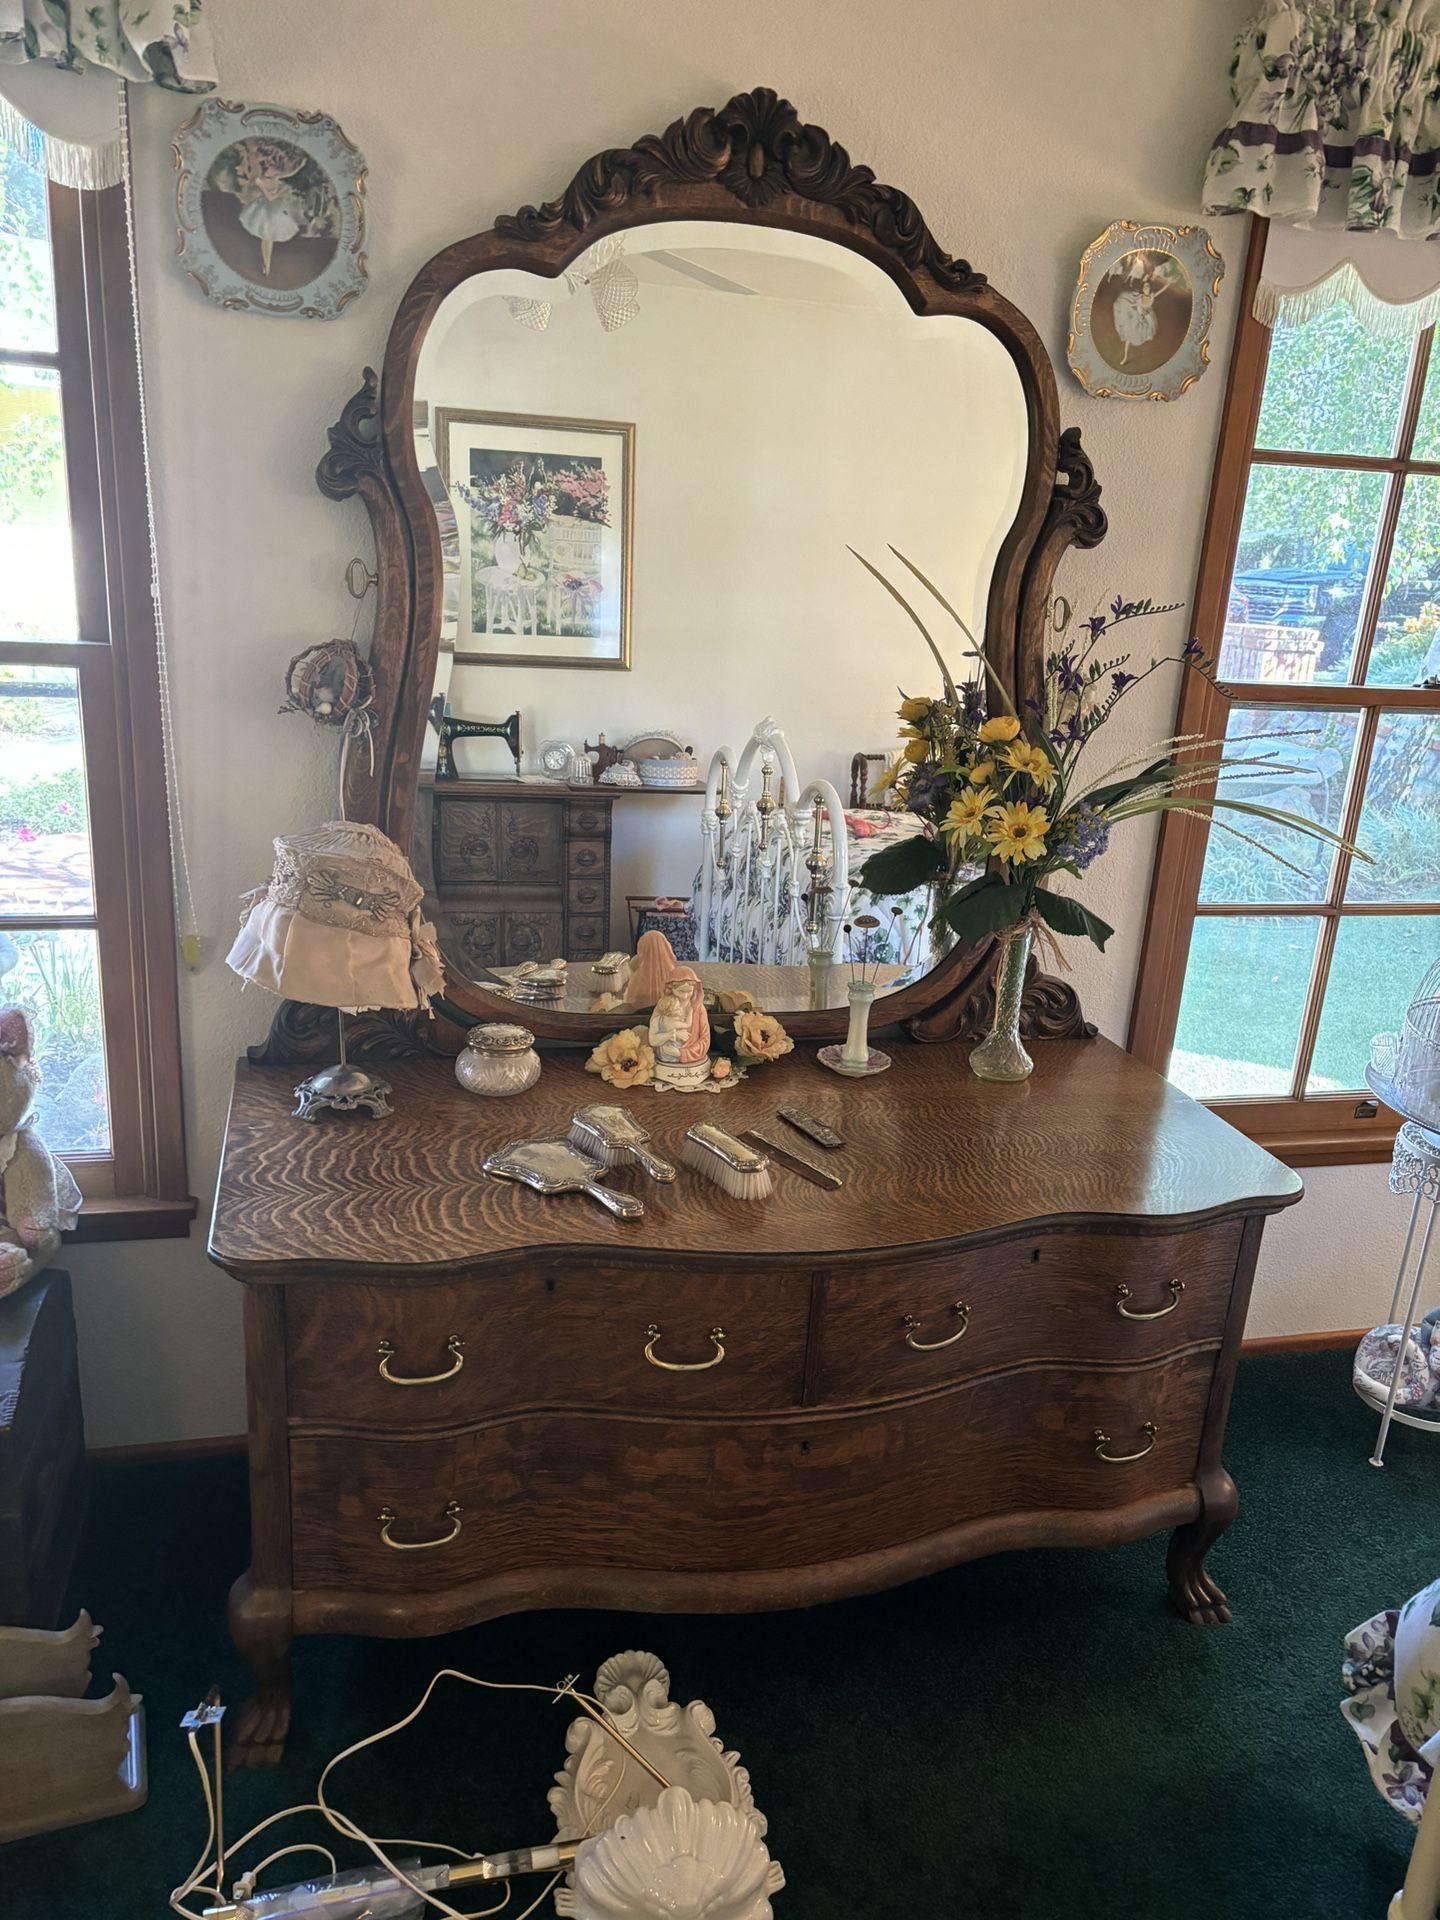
x: 1336, y: 117
x: 61, y: 62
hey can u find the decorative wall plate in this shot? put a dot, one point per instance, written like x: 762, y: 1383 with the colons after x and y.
x: 270, y: 209
x: 1140, y: 319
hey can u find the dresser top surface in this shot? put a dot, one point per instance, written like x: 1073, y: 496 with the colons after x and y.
x: 932, y: 1156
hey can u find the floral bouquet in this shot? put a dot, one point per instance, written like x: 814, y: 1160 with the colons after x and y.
x: 1025, y: 793
x: 510, y: 503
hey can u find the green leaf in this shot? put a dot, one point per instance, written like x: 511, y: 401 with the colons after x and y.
x: 1119, y: 790
x: 984, y: 907
x: 902, y: 868
x: 1064, y: 915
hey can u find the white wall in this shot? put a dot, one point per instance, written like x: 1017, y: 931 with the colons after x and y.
x: 1020, y: 127
x: 769, y: 433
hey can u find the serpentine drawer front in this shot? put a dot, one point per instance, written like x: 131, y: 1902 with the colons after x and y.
x: 400, y: 1357
x: 1084, y: 1296
x: 524, y: 1492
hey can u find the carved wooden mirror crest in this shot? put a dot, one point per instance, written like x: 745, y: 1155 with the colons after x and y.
x: 755, y: 167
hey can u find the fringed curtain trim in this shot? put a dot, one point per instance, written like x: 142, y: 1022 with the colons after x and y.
x: 1390, y: 286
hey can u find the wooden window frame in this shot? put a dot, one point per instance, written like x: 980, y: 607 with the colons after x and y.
x: 1319, y: 1129
x: 139, y: 1190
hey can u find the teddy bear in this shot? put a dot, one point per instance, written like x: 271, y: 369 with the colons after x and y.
x: 38, y: 1198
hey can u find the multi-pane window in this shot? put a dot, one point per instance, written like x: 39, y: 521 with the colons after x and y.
x: 1263, y: 984
x: 86, y: 929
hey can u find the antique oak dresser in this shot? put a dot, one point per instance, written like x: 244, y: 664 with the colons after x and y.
x: 1016, y: 1324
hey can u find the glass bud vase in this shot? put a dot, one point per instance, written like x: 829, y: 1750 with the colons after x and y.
x: 856, y: 1056
x: 1001, y: 1054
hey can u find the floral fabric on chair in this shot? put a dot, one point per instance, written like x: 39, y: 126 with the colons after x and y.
x: 1336, y: 117
x: 1391, y: 1677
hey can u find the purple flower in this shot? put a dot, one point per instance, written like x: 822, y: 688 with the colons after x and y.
x: 1097, y: 624
x: 1085, y: 835
x: 1119, y: 681
x: 1193, y: 649
x: 1068, y: 674
x: 1032, y: 705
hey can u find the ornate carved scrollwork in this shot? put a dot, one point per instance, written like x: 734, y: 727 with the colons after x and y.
x: 1050, y: 1009
x: 355, y: 449
x: 757, y: 148
x: 302, y: 1035
x: 1075, y: 504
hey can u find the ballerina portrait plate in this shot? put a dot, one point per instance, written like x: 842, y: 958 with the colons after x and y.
x: 1140, y: 319
x: 270, y: 209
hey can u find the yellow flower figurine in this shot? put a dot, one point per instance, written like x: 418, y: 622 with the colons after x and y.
x: 760, y: 1036
x: 1017, y: 832
x: 1033, y: 762
x: 624, y: 1059
x: 967, y: 814
x: 1003, y: 727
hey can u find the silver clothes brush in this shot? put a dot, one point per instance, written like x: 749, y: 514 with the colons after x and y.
x: 613, y: 1136
x: 735, y: 1168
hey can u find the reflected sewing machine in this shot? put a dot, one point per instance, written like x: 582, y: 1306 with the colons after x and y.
x: 449, y: 729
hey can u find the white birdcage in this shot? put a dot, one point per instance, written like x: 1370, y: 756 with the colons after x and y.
x: 1404, y: 1067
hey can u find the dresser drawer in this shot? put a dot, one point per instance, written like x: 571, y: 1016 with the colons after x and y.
x: 586, y: 816
x: 531, y: 933
x: 587, y: 896
x: 586, y: 857
x: 530, y: 840
x: 396, y: 1358
x: 1083, y: 1296
x: 550, y: 1489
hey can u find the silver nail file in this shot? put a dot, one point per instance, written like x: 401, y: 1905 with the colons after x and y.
x: 796, y: 1162
x: 812, y: 1128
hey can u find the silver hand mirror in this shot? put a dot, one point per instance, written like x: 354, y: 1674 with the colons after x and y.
x: 553, y: 1166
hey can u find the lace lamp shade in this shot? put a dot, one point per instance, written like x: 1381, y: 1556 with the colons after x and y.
x: 339, y: 924
x: 1404, y: 1067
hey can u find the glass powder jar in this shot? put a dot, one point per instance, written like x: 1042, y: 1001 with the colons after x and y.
x: 498, y: 1059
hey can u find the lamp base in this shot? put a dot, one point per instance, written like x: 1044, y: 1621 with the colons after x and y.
x: 342, y: 1089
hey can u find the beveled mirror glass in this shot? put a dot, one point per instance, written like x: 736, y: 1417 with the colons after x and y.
x: 629, y: 675
x: 660, y: 462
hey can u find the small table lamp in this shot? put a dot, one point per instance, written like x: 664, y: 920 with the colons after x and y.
x: 340, y: 926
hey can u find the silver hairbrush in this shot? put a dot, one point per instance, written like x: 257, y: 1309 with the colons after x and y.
x: 613, y: 1136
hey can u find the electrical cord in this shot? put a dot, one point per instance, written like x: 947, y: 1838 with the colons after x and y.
x: 200, y: 1880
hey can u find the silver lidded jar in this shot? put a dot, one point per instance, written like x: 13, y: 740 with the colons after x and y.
x: 498, y: 1059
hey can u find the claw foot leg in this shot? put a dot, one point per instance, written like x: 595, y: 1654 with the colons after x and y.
x: 260, y: 1627
x: 1192, y: 1591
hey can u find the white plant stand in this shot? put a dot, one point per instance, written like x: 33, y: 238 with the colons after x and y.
x: 1415, y: 1170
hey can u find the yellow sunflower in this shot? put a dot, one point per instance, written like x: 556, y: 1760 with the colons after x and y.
x: 1032, y: 761
x: 1017, y: 832
x: 967, y: 814
x: 1003, y: 727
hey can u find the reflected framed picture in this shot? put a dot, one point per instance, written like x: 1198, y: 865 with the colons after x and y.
x: 270, y: 209
x: 1140, y: 319
x: 544, y: 512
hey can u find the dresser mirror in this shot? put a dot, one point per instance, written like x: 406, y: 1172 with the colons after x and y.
x: 621, y: 450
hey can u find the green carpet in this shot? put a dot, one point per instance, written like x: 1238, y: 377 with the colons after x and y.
x: 1033, y: 1735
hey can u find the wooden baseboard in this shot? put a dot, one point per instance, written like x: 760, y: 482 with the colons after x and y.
x: 224, y: 1446
x: 1324, y: 1342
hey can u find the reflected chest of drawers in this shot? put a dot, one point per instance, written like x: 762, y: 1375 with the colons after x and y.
x: 520, y: 869
x: 1016, y: 1324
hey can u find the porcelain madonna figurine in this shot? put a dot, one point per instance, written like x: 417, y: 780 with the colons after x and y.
x: 653, y: 966
x: 680, y: 1033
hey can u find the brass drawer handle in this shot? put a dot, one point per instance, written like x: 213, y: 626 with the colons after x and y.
x: 912, y: 1327
x: 454, y: 1346
x: 1122, y: 1294
x: 1102, y: 1440
x: 386, y: 1517
x: 653, y: 1335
